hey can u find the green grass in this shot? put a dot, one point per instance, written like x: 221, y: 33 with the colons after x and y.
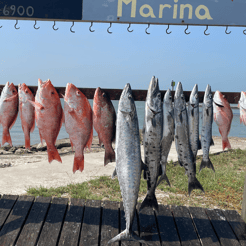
x: 223, y: 189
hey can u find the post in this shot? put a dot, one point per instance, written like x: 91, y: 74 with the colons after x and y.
x: 243, y: 213
x: 172, y: 84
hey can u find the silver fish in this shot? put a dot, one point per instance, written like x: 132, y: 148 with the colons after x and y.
x: 128, y: 161
x: 182, y: 139
x: 168, y: 134
x: 193, y: 120
x: 206, y: 134
x: 152, y: 135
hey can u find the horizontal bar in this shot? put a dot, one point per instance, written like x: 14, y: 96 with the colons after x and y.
x: 138, y: 95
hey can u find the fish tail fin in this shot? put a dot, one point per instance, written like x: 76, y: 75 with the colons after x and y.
x: 150, y: 201
x: 53, y: 154
x: 109, y: 156
x: 163, y: 175
x: 194, y: 184
x: 127, y: 235
x: 27, y: 139
x: 78, y: 163
x: 6, y: 137
x: 206, y: 163
x: 226, y: 144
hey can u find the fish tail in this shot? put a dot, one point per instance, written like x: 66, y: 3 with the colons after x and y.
x: 163, y: 177
x: 78, y: 163
x: 109, y: 156
x: 127, y: 235
x: 6, y: 137
x: 206, y: 163
x: 150, y: 201
x: 53, y: 154
x: 226, y: 144
x: 194, y: 184
x: 27, y: 140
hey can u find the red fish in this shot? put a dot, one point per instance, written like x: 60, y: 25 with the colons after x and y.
x: 242, y: 107
x: 27, y: 112
x: 8, y: 110
x: 104, y: 118
x: 49, y: 116
x: 223, y: 117
x: 78, y: 123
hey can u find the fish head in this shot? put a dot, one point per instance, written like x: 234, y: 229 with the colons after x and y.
x: 242, y: 100
x: 100, y: 97
x: 154, y: 96
x: 48, y: 92
x: 219, y: 99
x: 126, y: 103
x: 179, y: 99
x: 24, y: 93
x: 194, y: 98
x: 10, y: 89
x: 208, y: 97
x: 168, y: 100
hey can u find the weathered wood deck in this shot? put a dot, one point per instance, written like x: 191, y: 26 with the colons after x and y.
x: 43, y: 221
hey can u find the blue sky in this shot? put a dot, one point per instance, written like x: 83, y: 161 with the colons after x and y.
x: 111, y: 60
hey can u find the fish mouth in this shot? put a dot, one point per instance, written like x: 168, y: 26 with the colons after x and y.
x: 217, y: 104
x: 152, y: 110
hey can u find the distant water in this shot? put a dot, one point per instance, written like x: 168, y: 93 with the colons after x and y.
x: 17, y: 135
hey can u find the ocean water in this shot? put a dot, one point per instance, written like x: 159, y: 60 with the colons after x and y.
x: 17, y: 135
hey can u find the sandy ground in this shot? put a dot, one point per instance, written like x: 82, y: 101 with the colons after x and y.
x: 34, y: 170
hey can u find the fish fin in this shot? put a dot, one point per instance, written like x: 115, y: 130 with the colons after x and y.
x: 78, y: 163
x: 207, y: 111
x: 36, y: 104
x: 207, y: 164
x: 153, y: 120
x: 71, y: 144
x: 33, y: 126
x: 27, y: 139
x: 144, y: 168
x: 212, y: 142
x: 241, y: 119
x: 226, y: 144
x: 89, y: 142
x: 53, y: 154
x: 100, y: 141
x: 180, y: 117
x: 114, y: 174
x: 199, y: 144
x: 6, y: 137
x: 150, y: 201
x: 194, y: 184
x: 10, y: 98
x: 109, y: 156
x: 127, y: 235
x: 63, y: 118
x: 163, y: 177
x: 13, y: 122
x: 192, y: 112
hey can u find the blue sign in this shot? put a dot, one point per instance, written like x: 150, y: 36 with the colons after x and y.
x: 45, y: 9
x: 174, y: 12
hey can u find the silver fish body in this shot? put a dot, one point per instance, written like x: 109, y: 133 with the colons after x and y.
x: 128, y: 160
x: 182, y: 139
x: 152, y: 134
x: 193, y: 120
x: 206, y: 133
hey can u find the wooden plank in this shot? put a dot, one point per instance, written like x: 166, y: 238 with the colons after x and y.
x: 237, y: 224
x: 148, y: 226
x: 52, y: 226
x: 6, y: 204
x: 168, y: 232
x: 203, y: 226
x: 185, y: 226
x: 15, y: 221
x: 91, y: 223
x: 72, y: 224
x: 123, y: 226
x: 110, y: 223
x: 222, y: 227
x: 34, y: 222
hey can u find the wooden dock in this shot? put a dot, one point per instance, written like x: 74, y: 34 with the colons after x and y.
x: 26, y: 221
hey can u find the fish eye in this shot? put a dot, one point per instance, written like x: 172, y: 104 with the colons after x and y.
x: 13, y: 90
x: 104, y: 95
x: 170, y: 98
x: 159, y: 95
x: 129, y: 96
x: 26, y: 91
x: 196, y: 96
x: 182, y: 96
x: 52, y: 92
x: 77, y: 93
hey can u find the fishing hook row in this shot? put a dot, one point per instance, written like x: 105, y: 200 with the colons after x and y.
x: 91, y: 27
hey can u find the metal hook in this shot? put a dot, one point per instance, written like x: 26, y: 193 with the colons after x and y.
x: 226, y: 30
x: 16, y: 25
x: 71, y: 28
x: 244, y: 32
x: 168, y: 29
x: 35, y: 25
x: 205, y: 31
x: 1, y: 26
x: 109, y: 27
x: 128, y: 28
x: 54, y: 26
x: 147, y: 29
x: 186, y: 30
x: 91, y: 27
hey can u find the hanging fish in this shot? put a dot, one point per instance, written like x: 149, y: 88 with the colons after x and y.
x: 242, y: 107
x: 8, y: 111
x: 223, y: 117
x: 78, y: 123
x: 27, y: 112
x: 49, y: 116
x: 104, y: 118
